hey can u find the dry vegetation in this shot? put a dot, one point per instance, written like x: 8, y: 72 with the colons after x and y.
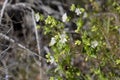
x: 23, y: 46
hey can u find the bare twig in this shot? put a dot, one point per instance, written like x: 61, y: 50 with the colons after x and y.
x: 36, y: 34
x: 4, y: 53
x: 19, y: 45
x: 46, y: 49
x: 38, y: 44
x: 2, y: 10
x: 6, y: 71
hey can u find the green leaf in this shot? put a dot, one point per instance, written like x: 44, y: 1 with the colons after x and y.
x: 94, y: 28
x: 72, y: 8
x: 38, y: 26
x: 51, y: 78
x: 77, y: 42
x: 118, y: 61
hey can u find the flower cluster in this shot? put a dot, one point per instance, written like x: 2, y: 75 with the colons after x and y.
x: 77, y: 11
x: 63, y: 38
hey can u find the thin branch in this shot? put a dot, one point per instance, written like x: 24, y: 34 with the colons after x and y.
x: 4, y: 53
x: 2, y: 10
x: 36, y: 34
x: 38, y: 45
x: 46, y: 49
x: 19, y: 45
x: 6, y: 71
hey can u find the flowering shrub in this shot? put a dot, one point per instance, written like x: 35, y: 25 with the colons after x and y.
x: 98, y: 42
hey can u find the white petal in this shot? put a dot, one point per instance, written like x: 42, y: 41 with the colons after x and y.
x: 94, y: 44
x: 77, y: 11
x: 64, y: 17
x: 51, y: 59
x: 37, y: 17
x: 53, y: 41
x: 63, y: 38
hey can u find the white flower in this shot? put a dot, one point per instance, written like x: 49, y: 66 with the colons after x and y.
x: 52, y: 59
x: 52, y: 42
x: 77, y: 11
x: 63, y: 38
x: 94, y: 44
x: 64, y: 17
x: 37, y: 17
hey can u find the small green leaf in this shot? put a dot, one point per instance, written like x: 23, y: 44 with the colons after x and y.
x: 78, y: 73
x: 94, y: 28
x: 41, y: 17
x: 77, y: 42
x: 118, y: 61
x: 38, y: 26
x: 51, y: 78
x: 82, y: 9
x: 72, y: 8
